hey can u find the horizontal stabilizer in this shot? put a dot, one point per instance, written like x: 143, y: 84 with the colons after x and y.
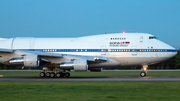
x: 6, y: 50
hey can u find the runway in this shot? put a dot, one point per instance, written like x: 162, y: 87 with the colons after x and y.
x: 96, y: 79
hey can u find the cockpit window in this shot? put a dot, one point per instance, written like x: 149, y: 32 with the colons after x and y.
x: 152, y: 37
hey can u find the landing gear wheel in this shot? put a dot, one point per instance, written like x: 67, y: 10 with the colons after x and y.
x: 62, y: 74
x: 67, y: 74
x: 42, y: 74
x: 52, y: 75
x: 48, y: 74
x: 58, y: 75
x: 143, y: 74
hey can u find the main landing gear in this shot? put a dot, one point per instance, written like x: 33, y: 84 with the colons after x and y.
x: 52, y: 73
x: 144, y: 71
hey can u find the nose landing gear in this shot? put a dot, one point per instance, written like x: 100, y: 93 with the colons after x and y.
x: 144, y: 71
x: 143, y: 74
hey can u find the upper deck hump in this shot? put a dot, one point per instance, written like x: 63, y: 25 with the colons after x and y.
x: 114, y: 35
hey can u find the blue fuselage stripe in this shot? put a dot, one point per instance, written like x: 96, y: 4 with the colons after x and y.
x: 100, y: 50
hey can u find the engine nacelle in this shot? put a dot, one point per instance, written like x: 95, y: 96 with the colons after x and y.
x: 30, y: 60
x: 67, y: 65
x: 95, y: 69
x: 77, y: 65
x: 80, y: 65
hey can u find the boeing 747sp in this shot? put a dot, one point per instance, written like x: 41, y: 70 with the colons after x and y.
x: 56, y: 56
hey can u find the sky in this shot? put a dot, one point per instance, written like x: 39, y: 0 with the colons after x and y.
x: 75, y: 18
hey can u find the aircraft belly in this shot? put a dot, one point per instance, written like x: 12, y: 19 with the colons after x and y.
x: 138, y: 60
x: 109, y: 63
x: 144, y: 58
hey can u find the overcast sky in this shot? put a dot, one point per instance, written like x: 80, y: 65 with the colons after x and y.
x: 75, y: 18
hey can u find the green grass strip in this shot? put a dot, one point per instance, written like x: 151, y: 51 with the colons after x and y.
x: 89, y: 91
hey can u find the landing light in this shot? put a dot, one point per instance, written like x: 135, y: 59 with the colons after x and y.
x: 145, y: 68
x: 123, y: 32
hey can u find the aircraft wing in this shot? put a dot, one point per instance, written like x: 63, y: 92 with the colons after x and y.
x: 47, y: 54
x: 57, y: 55
x: 69, y: 56
x: 50, y: 59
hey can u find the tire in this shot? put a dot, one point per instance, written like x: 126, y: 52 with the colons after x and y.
x: 42, y: 74
x: 62, y: 74
x: 143, y: 74
x: 67, y: 74
x: 52, y: 75
x: 48, y: 74
x: 58, y: 75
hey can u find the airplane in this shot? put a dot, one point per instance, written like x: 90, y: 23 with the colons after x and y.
x: 57, y: 56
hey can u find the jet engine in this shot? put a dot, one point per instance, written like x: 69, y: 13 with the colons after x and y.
x: 77, y: 65
x: 30, y: 60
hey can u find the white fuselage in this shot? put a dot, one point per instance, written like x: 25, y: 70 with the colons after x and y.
x: 126, y: 49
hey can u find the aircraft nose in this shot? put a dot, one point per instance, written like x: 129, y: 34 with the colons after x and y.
x: 171, y: 50
x: 174, y: 52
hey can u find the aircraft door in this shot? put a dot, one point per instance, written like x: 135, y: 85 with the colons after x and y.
x: 141, y: 39
x: 134, y: 50
x: 140, y: 44
x: 103, y: 50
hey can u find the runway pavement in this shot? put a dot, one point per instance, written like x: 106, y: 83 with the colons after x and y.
x: 115, y: 79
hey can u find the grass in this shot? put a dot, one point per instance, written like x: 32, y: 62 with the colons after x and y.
x: 89, y: 91
x: 96, y: 74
